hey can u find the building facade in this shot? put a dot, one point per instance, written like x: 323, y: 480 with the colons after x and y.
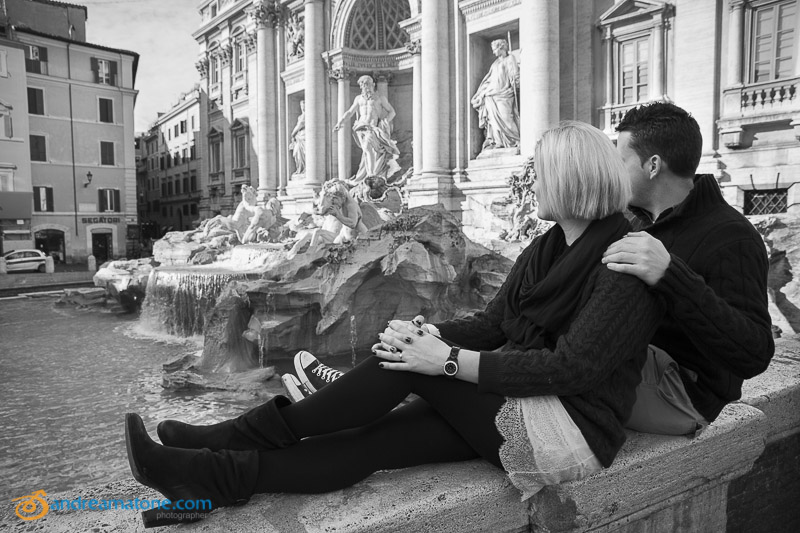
x: 170, y: 169
x: 16, y: 197
x: 80, y: 141
x: 734, y: 64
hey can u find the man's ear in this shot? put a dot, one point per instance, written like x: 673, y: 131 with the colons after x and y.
x: 654, y: 165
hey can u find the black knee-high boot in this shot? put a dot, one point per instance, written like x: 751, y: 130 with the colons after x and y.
x: 224, y: 478
x: 260, y: 428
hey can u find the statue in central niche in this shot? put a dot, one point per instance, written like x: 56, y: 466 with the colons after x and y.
x: 496, y: 100
x: 373, y: 131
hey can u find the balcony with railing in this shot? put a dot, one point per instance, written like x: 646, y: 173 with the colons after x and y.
x: 612, y: 115
x: 757, y: 104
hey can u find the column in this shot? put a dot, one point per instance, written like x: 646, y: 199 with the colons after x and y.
x: 608, y: 40
x: 382, y: 80
x: 435, y: 89
x: 735, y: 40
x: 415, y: 48
x: 657, y: 86
x: 608, y: 43
x: 315, y: 95
x: 344, y: 139
x: 462, y: 105
x: 265, y: 15
x: 539, y: 80
x: 283, y: 132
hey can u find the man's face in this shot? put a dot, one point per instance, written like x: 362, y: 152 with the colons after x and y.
x: 638, y: 172
x: 366, y: 86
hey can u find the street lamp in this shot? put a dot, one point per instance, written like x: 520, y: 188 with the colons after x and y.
x: 88, y: 179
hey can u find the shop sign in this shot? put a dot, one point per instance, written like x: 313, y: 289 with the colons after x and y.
x: 101, y: 220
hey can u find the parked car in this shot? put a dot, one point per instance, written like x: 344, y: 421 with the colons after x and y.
x: 19, y: 260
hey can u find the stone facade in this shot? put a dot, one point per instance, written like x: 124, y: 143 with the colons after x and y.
x: 75, y: 130
x: 169, y: 167
x: 588, y: 61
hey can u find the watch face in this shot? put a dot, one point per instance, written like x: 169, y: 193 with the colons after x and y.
x: 450, y: 368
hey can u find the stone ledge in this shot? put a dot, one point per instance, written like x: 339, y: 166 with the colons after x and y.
x: 655, y: 472
x: 657, y: 483
x: 652, y: 473
x: 776, y: 392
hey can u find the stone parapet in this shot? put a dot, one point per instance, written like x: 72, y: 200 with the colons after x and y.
x: 657, y: 483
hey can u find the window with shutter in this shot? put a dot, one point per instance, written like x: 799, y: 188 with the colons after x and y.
x: 43, y: 199
x: 106, y: 110
x: 8, y: 125
x: 38, y: 148
x: 106, y: 153
x: 35, y: 101
x: 105, y: 71
x: 36, y: 59
x: 102, y: 200
x: 772, y: 43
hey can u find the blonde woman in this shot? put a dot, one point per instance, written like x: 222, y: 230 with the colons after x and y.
x: 539, y: 384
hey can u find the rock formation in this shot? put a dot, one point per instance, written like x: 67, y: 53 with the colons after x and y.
x: 337, y: 299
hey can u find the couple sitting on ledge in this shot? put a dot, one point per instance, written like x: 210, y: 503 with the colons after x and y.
x: 602, y: 324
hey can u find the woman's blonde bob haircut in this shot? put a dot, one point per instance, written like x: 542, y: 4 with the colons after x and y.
x: 582, y: 175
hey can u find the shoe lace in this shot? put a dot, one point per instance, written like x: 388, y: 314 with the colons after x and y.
x: 327, y: 373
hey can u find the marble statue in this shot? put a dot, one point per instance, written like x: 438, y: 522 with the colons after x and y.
x: 373, y: 131
x: 298, y: 144
x: 295, y: 36
x: 335, y: 200
x: 496, y: 100
x: 524, y: 222
x: 245, y: 222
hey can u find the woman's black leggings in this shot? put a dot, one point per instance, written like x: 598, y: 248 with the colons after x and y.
x: 349, y: 429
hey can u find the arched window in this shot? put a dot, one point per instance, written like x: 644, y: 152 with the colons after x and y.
x: 374, y: 25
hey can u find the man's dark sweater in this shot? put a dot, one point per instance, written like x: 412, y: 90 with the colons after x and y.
x: 717, y: 326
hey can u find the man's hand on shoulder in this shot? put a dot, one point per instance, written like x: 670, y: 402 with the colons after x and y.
x: 639, y: 254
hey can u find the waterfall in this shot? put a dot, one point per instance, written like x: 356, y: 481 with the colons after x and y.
x: 178, y: 299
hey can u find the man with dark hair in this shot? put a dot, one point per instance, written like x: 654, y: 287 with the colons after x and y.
x: 708, y: 263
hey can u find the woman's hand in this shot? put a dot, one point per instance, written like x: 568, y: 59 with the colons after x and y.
x: 405, y: 346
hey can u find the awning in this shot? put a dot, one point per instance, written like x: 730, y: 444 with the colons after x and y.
x: 16, y: 205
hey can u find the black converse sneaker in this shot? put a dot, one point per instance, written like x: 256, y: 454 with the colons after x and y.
x: 313, y: 374
x: 294, y: 389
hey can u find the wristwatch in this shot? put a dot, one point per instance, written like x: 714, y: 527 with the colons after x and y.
x: 450, y: 366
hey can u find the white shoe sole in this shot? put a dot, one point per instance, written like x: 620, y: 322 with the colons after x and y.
x: 292, y: 386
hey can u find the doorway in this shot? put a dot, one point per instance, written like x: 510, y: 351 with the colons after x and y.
x: 51, y: 242
x: 101, y: 247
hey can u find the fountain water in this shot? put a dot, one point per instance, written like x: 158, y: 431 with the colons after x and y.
x: 178, y: 299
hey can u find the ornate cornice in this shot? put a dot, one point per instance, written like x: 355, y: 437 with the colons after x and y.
x: 475, y: 9
x: 736, y: 4
x: 265, y: 13
x: 414, y: 47
x: 225, y: 53
x: 202, y: 67
x: 339, y: 73
x: 366, y: 62
x: 250, y: 40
